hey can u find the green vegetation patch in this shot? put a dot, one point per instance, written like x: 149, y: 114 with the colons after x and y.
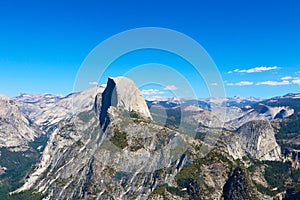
x: 18, y: 165
x: 39, y: 142
x: 289, y: 129
x: 277, y: 173
x: 188, y: 171
x: 119, y: 138
x: 159, y: 190
x: 176, y: 191
x: 26, y: 195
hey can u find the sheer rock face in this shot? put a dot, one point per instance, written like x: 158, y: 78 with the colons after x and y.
x: 255, y: 139
x: 15, y: 129
x: 258, y: 140
x: 122, y: 92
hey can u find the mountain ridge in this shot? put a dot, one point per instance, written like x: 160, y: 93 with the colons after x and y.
x: 168, y: 153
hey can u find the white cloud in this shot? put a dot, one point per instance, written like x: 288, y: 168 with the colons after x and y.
x: 296, y: 81
x: 214, y: 84
x: 241, y: 83
x: 151, y: 92
x: 93, y: 83
x: 156, y: 98
x: 274, y: 83
x: 297, y: 73
x: 253, y: 70
x: 286, y: 78
x: 170, y: 87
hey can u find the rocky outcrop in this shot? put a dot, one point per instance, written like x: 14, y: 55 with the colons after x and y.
x: 15, y: 129
x: 121, y: 92
x: 66, y: 156
x: 239, y: 186
x: 255, y: 139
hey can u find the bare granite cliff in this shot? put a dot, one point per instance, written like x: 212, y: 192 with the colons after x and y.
x: 255, y: 139
x: 122, y: 92
x: 16, y: 130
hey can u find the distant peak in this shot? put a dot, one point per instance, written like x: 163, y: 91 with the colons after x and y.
x: 123, y: 93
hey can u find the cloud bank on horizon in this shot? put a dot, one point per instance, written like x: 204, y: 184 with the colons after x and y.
x: 284, y: 80
x: 250, y: 78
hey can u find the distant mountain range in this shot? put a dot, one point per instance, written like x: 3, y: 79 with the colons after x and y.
x: 109, y: 143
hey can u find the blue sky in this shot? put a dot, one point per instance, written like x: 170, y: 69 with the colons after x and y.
x: 255, y: 44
